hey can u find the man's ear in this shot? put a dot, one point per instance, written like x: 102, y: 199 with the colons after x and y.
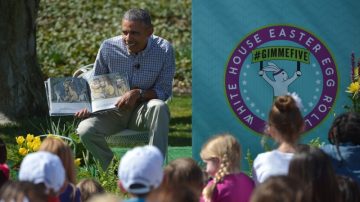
x: 150, y: 31
x: 121, y: 187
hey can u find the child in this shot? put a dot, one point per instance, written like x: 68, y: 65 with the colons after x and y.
x: 312, y: 167
x: 184, y: 172
x: 344, y: 147
x: 349, y: 189
x: 140, y: 172
x: 4, y: 168
x: 14, y: 191
x: 89, y: 188
x: 44, y: 169
x: 279, y: 188
x: 174, y: 193
x: 285, y: 126
x: 58, y: 147
x: 222, y: 156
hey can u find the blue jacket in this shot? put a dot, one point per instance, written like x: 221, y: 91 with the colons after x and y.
x: 351, y: 159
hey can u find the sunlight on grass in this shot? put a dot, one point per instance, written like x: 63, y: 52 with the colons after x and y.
x: 180, y: 123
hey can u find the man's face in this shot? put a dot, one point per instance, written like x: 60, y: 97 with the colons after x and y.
x: 135, y: 35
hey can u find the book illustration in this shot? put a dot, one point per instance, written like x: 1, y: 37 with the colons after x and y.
x: 69, y: 95
x: 109, y: 86
x: 69, y: 90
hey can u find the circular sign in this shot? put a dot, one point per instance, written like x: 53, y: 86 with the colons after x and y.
x: 278, y: 60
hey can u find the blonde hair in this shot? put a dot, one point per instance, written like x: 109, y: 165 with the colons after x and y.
x: 226, y: 148
x: 88, y: 188
x: 58, y: 147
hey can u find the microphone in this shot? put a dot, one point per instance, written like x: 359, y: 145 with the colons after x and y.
x: 137, y: 66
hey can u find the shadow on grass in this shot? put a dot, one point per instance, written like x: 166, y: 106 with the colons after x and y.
x: 35, y: 125
x: 178, y: 141
x: 180, y: 128
x: 180, y: 120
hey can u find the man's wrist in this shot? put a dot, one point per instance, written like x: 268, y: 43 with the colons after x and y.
x: 141, y: 94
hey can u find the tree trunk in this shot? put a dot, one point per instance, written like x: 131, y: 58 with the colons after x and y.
x: 22, y: 91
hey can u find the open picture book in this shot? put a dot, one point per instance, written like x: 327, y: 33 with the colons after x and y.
x: 68, y: 95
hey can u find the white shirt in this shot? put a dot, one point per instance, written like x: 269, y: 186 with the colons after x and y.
x: 269, y: 164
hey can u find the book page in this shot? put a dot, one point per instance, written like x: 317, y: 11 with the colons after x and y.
x: 67, y: 95
x: 107, y: 89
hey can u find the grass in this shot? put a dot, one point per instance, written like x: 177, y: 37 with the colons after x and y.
x: 180, y: 124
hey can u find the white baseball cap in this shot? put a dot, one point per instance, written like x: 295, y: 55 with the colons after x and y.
x: 141, y: 166
x: 43, y: 167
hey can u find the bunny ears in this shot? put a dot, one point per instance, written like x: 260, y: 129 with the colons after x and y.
x: 272, y: 67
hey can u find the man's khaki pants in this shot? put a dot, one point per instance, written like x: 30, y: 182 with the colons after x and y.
x: 153, y: 116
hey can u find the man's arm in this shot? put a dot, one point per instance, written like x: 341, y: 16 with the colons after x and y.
x: 101, y: 64
x: 163, y: 84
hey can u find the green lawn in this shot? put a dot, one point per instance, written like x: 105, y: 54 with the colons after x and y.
x: 180, y: 124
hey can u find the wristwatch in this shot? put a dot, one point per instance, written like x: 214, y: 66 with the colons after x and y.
x: 141, y: 92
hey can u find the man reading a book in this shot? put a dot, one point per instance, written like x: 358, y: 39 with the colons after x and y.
x: 149, y: 63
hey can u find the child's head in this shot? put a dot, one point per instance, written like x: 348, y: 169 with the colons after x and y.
x: 140, y: 170
x: 313, y: 167
x: 285, y: 119
x: 221, y: 151
x: 43, y: 168
x: 58, y: 147
x: 279, y: 188
x: 174, y: 193
x: 88, y: 188
x: 183, y: 171
x: 349, y: 188
x: 105, y: 197
x: 22, y: 191
x: 222, y: 154
x: 345, y: 128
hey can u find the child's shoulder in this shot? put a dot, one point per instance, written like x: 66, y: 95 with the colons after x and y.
x: 266, y: 155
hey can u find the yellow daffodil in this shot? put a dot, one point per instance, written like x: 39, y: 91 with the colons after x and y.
x: 29, y: 144
x: 20, y: 140
x: 77, y: 162
x: 35, y: 146
x: 37, y: 139
x: 29, y: 137
x: 23, y: 151
x: 353, y: 88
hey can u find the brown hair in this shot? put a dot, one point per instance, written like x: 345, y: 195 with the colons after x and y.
x: 58, y: 147
x: 174, y: 193
x: 226, y: 148
x: 312, y: 167
x: 18, y: 191
x: 286, y: 117
x: 89, y: 188
x: 183, y: 171
x: 279, y: 188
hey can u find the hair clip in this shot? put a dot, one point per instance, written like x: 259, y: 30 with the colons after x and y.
x: 297, y: 99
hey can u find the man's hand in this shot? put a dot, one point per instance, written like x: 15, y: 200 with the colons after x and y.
x: 129, y: 99
x: 84, y: 113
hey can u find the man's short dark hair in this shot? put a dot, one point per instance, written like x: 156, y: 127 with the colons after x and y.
x: 137, y: 14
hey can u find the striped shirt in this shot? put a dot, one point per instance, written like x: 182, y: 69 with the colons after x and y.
x: 153, y: 68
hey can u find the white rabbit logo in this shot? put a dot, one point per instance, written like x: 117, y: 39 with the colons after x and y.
x: 281, y: 81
